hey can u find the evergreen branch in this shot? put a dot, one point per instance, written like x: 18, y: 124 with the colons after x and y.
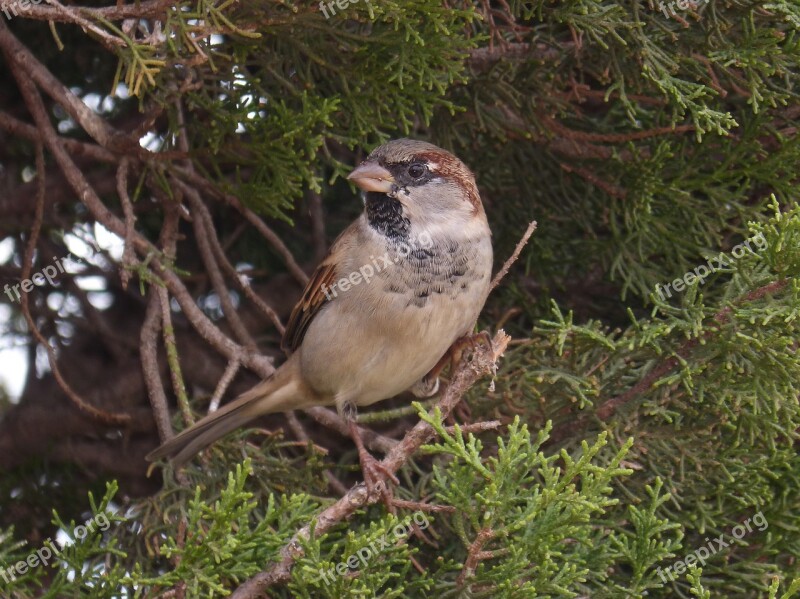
x: 608, y: 408
x: 466, y: 375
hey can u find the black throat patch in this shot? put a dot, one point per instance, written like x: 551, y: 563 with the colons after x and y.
x: 385, y: 215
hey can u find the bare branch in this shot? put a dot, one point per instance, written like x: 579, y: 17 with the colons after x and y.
x: 331, y: 419
x: 128, y: 255
x: 29, y: 92
x: 513, y: 258
x: 152, y: 375
x: 137, y: 10
x: 203, y: 231
x: 209, y: 188
x: 230, y: 371
x: 211, y: 333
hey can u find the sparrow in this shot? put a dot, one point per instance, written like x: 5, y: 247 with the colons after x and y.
x: 398, y: 292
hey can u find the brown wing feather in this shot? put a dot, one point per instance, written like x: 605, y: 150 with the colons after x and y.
x: 309, y: 305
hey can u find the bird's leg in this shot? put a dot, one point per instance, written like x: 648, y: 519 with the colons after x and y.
x: 370, y: 467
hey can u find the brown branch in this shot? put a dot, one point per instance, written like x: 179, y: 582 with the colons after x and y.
x: 475, y: 427
x: 29, y: 91
x: 128, y: 254
x: 474, y: 555
x: 210, y: 332
x: 71, y: 15
x: 97, y: 128
x: 331, y: 419
x: 224, y: 382
x: 75, y: 147
x: 203, y: 232
x: 482, y: 59
x: 513, y: 258
x: 138, y: 10
x: 568, y: 133
x: 300, y: 432
x: 152, y: 375
x: 203, y: 213
x: 210, y: 189
x: 467, y: 374
x: 94, y: 125
x: 613, y: 190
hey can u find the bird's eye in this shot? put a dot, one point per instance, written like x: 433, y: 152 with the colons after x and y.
x: 416, y: 170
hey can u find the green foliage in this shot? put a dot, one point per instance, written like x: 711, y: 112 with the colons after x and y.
x: 224, y: 543
x: 646, y: 146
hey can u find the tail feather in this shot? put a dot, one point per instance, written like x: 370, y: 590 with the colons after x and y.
x: 276, y: 394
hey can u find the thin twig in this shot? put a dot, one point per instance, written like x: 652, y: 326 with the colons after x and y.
x: 71, y: 15
x: 148, y: 337
x: 175, y: 372
x: 136, y: 10
x: 210, y: 189
x: 475, y: 427
x: 474, y: 554
x: 75, y: 147
x: 27, y: 266
x: 203, y: 213
x: 210, y: 332
x: 230, y: 371
x: 128, y: 253
x: 300, y: 432
x: 331, y: 419
x: 203, y: 232
x: 513, y: 258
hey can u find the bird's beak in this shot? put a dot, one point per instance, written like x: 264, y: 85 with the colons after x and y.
x: 371, y: 176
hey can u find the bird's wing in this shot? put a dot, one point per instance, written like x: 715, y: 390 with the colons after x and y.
x: 314, y: 296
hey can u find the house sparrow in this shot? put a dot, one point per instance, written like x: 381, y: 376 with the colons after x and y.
x: 398, y: 290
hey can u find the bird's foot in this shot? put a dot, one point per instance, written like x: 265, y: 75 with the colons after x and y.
x: 469, y: 343
x: 377, y: 477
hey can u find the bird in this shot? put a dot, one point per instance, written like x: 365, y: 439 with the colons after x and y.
x: 398, y: 293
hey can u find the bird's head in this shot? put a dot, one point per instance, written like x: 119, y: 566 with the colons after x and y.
x: 431, y: 185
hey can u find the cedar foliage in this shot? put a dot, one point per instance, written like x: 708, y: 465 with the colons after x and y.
x: 635, y: 426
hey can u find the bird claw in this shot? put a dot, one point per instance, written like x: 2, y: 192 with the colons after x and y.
x: 375, y: 483
x: 469, y: 342
x: 426, y: 387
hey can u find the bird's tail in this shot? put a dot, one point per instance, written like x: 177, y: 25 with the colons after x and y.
x: 278, y: 393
